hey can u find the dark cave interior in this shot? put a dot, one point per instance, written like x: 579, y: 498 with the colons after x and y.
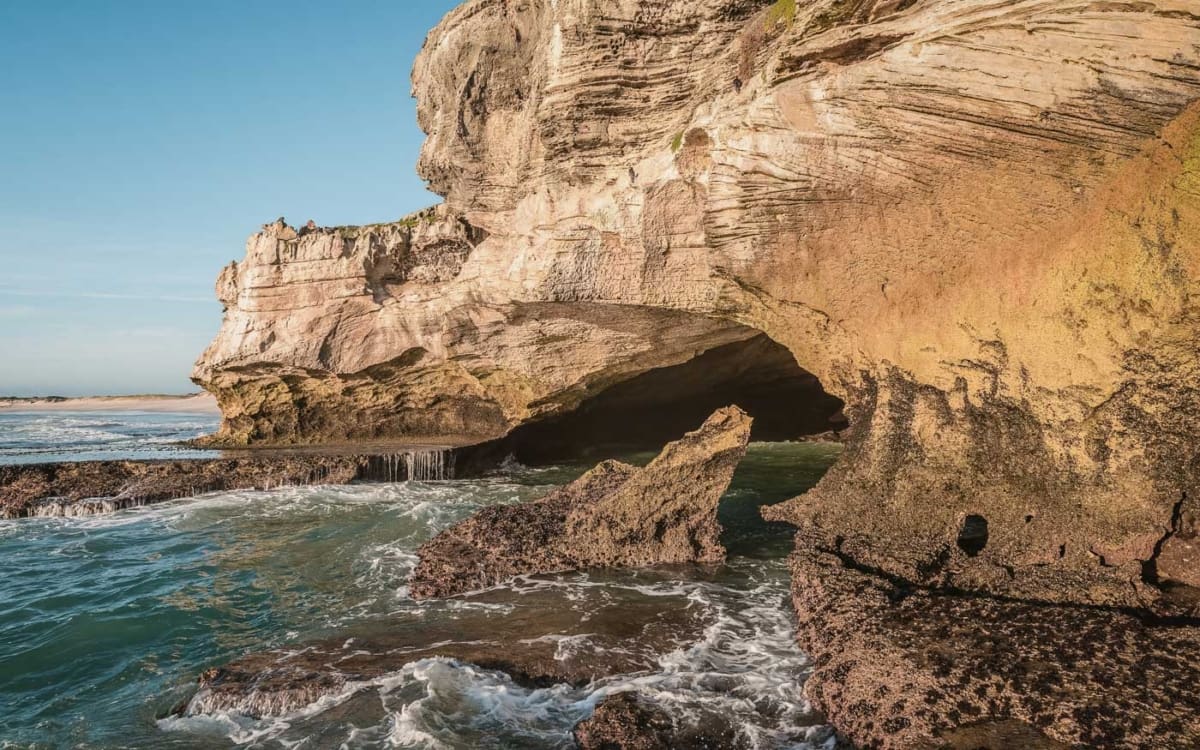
x: 647, y: 411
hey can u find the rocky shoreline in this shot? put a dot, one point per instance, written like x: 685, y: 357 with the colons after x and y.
x: 968, y: 229
x: 615, y: 515
x: 901, y: 666
x: 93, y: 487
x: 899, y: 663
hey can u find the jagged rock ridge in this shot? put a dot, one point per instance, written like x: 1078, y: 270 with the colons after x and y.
x: 615, y: 515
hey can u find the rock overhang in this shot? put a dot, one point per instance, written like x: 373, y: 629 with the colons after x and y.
x: 974, y: 223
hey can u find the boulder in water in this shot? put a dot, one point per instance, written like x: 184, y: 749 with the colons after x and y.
x: 626, y: 721
x: 615, y: 515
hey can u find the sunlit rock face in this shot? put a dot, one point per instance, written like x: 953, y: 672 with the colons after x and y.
x: 614, y: 516
x: 977, y: 223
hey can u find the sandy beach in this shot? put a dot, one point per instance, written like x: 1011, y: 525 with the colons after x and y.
x: 199, y: 403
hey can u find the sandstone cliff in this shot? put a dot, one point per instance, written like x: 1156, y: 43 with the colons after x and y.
x: 975, y: 222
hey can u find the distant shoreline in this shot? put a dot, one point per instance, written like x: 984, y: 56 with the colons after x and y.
x: 199, y: 403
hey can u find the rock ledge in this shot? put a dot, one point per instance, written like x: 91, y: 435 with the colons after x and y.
x: 615, y: 515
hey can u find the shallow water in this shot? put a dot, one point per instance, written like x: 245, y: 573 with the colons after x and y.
x: 108, y: 620
x: 35, y: 437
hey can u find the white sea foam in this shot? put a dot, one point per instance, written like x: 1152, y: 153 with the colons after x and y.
x: 75, y: 436
x: 333, y: 556
x: 745, y: 669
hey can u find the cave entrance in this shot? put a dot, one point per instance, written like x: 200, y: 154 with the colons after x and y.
x: 651, y: 409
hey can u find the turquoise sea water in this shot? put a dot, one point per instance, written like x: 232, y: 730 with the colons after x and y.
x: 29, y: 437
x: 108, y: 620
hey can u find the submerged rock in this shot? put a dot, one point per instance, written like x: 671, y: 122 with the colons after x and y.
x: 906, y: 667
x: 90, y: 487
x: 615, y: 515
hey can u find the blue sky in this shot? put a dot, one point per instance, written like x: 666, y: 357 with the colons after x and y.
x: 142, y: 141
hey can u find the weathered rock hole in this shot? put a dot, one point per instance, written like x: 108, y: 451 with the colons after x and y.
x: 647, y: 411
x: 973, y: 536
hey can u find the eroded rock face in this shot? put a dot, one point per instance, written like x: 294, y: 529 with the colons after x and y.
x: 358, y: 333
x: 977, y: 223
x: 615, y: 515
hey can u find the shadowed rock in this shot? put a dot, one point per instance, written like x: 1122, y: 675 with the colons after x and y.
x: 900, y: 667
x: 614, y: 515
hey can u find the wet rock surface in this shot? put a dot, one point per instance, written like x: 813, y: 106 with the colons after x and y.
x: 626, y: 722
x: 906, y: 667
x: 615, y: 515
x: 90, y: 487
x: 85, y: 488
x: 538, y: 646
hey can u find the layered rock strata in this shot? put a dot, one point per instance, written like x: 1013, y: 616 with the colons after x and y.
x: 361, y: 333
x: 976, y: 223
x: 615, y: 515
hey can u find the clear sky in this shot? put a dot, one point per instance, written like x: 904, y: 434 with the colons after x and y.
x: 141, y: 141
